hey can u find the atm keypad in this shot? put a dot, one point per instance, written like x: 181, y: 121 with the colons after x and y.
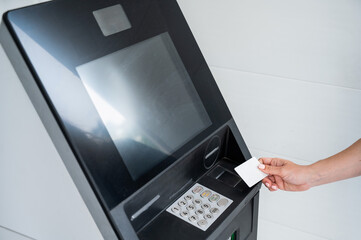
x: 200, y: 206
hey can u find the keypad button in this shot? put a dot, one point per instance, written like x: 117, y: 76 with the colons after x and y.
x: 200, y: 206
x: 214, y: 210
x: 222, y: 202
x: 206, y: 206
x: 198, y: 201
x: 176, y: 209
x: 184, y: 213
x: 189, y: 197
x: 193, y: 218
x: 197, y: 189
x: 200, y: 212
x: 191, y: 207
x: 182, y: 203
x: 202, y: 223
x: 214, y: 198
x: 206, y: 194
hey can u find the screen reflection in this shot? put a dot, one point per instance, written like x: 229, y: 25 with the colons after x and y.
x: 146, y: 100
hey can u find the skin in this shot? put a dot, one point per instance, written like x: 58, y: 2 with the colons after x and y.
x: 288, y: 176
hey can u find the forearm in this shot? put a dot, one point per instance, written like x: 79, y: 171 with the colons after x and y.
x: 346, y: 164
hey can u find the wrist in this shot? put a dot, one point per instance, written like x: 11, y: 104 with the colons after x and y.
x: 314, y: 174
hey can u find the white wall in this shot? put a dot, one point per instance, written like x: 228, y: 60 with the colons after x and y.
x: 25, y: 211
x: 290, y: 72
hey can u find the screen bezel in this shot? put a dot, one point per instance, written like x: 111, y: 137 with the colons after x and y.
x: 59, y: 36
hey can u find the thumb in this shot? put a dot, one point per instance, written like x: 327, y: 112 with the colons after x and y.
x: 272, y: 170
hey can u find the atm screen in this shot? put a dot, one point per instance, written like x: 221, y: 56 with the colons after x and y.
x: 146, y: 100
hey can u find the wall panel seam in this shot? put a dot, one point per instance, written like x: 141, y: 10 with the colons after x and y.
x: 284, y: 78
x: 17, y: 233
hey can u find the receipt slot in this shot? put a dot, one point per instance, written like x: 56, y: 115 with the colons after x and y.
x: 136, y: 116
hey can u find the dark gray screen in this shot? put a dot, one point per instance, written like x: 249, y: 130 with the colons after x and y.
x: 146, y: 100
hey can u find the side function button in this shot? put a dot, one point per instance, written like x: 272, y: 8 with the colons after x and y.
x: 202, y: 223
x: 222, y: 202
x: 206, y: 194
x: 214, y: 198
x: 197, y: 189
x: 214, y: 210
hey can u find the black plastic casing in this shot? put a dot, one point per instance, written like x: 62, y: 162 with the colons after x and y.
x: 114, y: 219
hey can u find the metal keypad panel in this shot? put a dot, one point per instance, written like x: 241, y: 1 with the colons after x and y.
x: 200, y: 206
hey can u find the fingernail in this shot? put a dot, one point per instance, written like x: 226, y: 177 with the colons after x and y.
x: 261, y: 166
x: 274, y: 187
x: 267, y: 184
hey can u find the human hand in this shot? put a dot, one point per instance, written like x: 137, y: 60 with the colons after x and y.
x: 284, y: 175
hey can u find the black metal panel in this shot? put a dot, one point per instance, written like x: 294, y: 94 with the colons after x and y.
x: 53, y: 39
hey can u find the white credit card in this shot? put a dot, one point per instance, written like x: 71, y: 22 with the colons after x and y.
x: 249, y: 172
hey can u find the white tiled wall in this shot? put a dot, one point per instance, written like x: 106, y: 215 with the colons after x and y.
x: 25, y: 211
x: 307, y: 40
x: 290, y: 72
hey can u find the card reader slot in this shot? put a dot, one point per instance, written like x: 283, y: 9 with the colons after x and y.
x: 229, y: 178
x: 216, y: 172
x: 224, y: 175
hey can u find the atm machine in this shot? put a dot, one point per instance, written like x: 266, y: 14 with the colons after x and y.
x: 135, y: 114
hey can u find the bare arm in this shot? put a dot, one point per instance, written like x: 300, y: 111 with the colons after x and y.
x: 343, y: 165
x: 286, y: 175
